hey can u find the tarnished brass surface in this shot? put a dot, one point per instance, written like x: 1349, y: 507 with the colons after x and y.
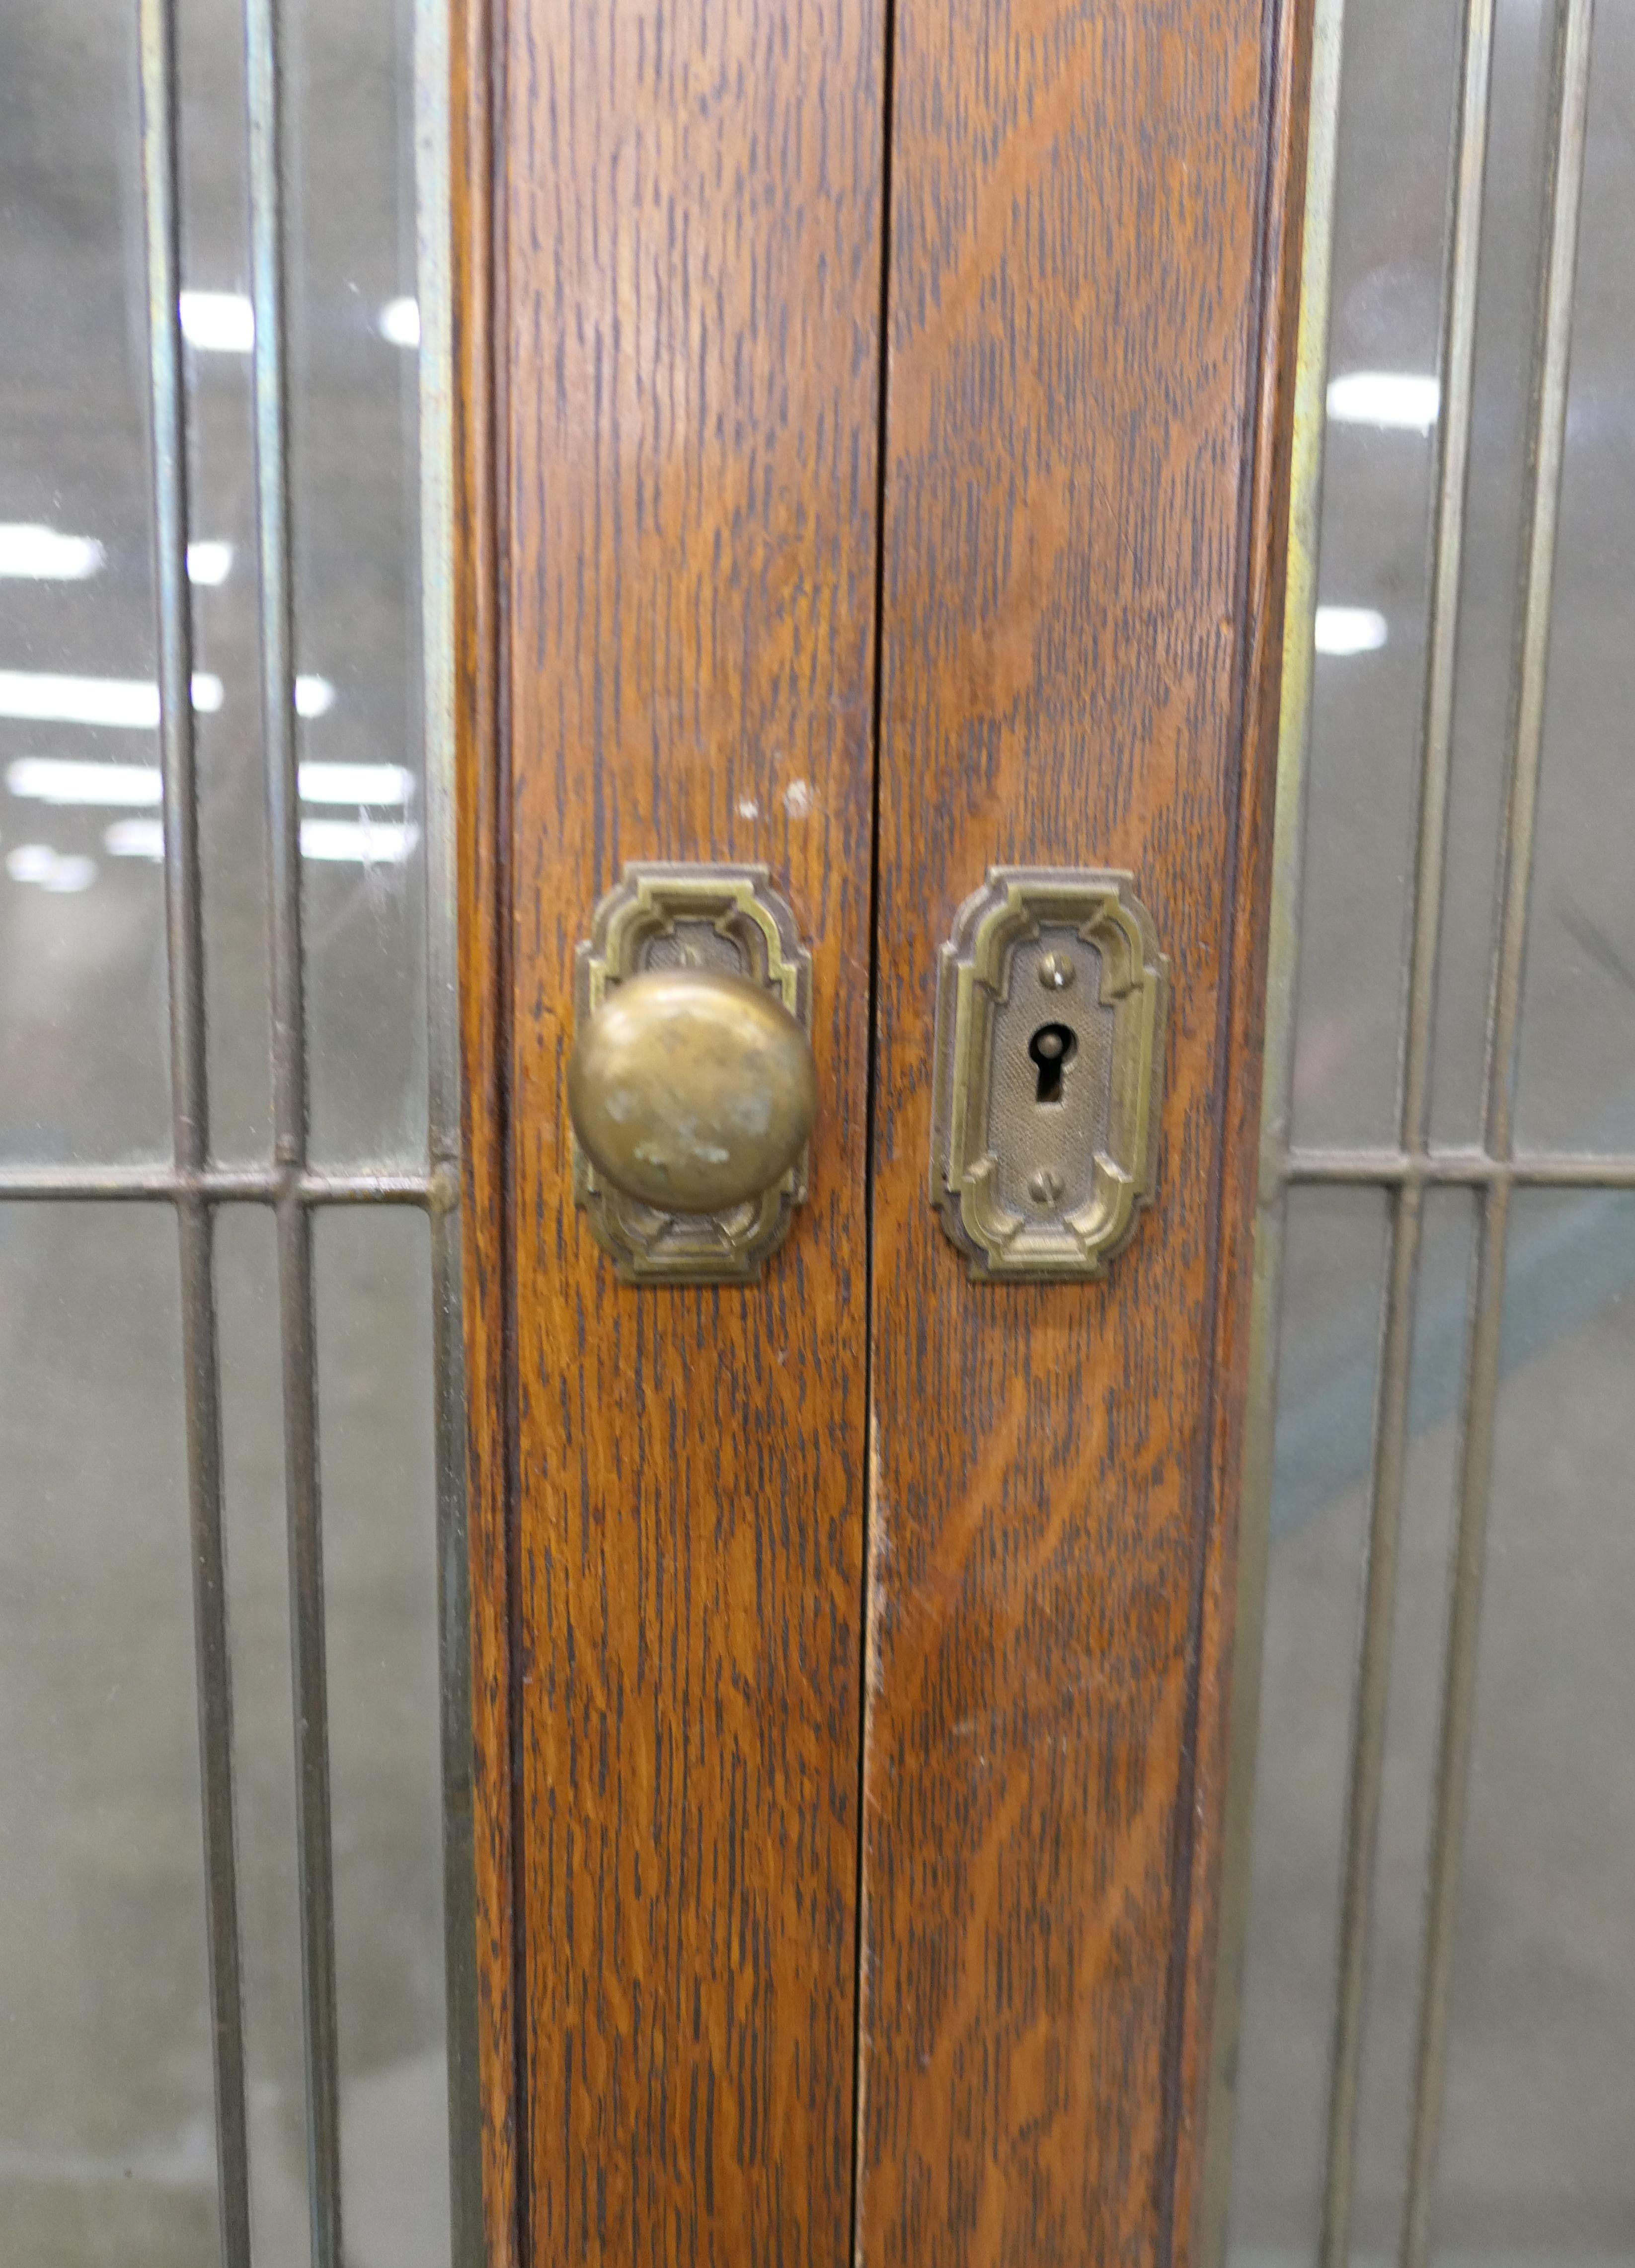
x: 1045, y: 1110
x: 692, y: 1090
x: 670, y: 919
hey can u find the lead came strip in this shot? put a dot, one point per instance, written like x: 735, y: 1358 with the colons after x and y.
x: 190, y: 1122
x: 316, y: 1857
x: 1390, y: 1444
x: 1570, y: 103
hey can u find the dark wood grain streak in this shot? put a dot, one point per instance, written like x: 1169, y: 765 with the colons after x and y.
x: 1076, y: 633
x: 693, y: 277
x: 484, y: 1048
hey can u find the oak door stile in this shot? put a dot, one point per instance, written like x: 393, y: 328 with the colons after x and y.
x: 693, y: 235
x: 1085, y: 386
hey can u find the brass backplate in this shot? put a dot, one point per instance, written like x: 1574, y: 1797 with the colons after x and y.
x: 664, y: 916
x: 1050, y: 1007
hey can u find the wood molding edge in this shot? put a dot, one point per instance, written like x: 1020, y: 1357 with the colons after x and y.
x: 1265, y: 563
x: 480, y: 795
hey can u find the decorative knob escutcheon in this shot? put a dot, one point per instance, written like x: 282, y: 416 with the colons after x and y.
x: 692, y: 1090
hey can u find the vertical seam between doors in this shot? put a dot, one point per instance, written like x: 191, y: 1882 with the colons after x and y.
x: 860, y: 1946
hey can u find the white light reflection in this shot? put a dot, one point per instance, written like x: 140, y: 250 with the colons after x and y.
x: 57, y: 871
x: 32, y: 552
x: 355, y: 784
x: 66, y: 780
x: 359, y: 842
x: 217, y: 322
x: 134, y: 838
x: 71, y: 780
x: 38, y: 554
x: 1350, y: 630
x: 400, y: 322
x: 1403, y: 399
x: 210, y: 562
x: 338, y: 841
x: 132, y: 702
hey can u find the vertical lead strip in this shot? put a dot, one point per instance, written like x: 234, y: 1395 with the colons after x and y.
x: 434, y: 252
x: 1391, y: 1440
x: 190, y: 1118
x: 314, y: 1857
x: 1282, y: 968
x: 1570, y: 102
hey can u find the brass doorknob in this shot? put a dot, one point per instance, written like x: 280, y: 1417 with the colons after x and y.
x: 692, y: 1090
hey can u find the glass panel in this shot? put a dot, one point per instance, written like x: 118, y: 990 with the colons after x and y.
x: 1319, y: 1530
x: 82, y: 977
x: 380, y: 1577
x: 354, y: 377
x: 1334, y: 1256
x: 107, y: 2141
x: 106, y: 2123
x: 374, y: 1312
x: 258, y: 1594
x: 218, y: 334
x: 1419, y: 1629
x: 1537, y: 2124
x: 1539, y: 2132
x: 1508, y: 304
x: 1395, y: 108
x: 1577, y: 1088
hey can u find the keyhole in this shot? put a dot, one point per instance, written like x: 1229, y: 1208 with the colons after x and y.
x: 1052, y: 1049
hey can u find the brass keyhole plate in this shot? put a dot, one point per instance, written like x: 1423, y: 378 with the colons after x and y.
x: 1051, y: 1002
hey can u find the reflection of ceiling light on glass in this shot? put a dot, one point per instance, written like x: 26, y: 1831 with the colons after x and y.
x: 122, y: 700
x: 39, y: 553
x: 355, y: 784
x: 134, y: 838
x: 64, y: 779
x: 210, y: 562
x: 1399, y: 398
x: 50, y: 870
x: 353, y: 842
x: 30, y: 550
x: 72, y: 780
x: 217, y: 322
x: 1350, y: 630
x: 358, y: 841
x: 400, y: 322
x: 314, y: 696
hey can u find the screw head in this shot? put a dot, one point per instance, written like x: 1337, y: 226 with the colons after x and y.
x: 1056, y: 972
x: 1045, y: 1186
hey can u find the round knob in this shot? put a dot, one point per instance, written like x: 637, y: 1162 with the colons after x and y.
x: 692, y: 1090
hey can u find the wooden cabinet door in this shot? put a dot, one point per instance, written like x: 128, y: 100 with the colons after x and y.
x: 871, y: 426
x: 1088, y: 313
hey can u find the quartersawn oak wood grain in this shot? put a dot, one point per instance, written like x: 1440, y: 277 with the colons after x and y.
x: 692, y: 288
x: 1085, y: 268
